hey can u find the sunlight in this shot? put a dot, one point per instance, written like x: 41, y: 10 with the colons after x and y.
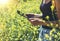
x: 3, y: 1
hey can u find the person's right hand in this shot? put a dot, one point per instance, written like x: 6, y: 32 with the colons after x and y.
x: 36, y: 21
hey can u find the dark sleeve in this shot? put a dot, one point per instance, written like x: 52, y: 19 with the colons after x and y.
x: 52, y: 16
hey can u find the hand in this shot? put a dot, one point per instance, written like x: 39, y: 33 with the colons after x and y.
x: 36, y: 21
x: 34, y: 15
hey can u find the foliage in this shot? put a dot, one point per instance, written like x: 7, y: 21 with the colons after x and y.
x: 14, y: 27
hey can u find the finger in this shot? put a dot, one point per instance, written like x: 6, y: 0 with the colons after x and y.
x: 31, y: 18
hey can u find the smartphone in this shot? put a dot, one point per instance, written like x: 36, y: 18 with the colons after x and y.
x: 29, y: 15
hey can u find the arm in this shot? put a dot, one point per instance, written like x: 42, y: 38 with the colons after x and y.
x: 38, y: 21
x: 57, y: 5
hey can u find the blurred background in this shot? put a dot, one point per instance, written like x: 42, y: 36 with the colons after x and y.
x: 14, y: 27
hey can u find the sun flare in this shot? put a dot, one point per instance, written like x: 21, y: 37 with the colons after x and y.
x: 3, y: 1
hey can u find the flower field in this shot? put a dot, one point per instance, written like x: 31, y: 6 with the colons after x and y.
x: 14, y: 27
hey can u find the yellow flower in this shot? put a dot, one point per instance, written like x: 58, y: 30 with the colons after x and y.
x: 46, y: 35
x: 51, y: 33
x: 35, y: 29
x: 43, y: 21
x: 52, y: 7
x: 48, y: 25
x: 56, y: 25
x: 47, y: 17
x: 51, y: 24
